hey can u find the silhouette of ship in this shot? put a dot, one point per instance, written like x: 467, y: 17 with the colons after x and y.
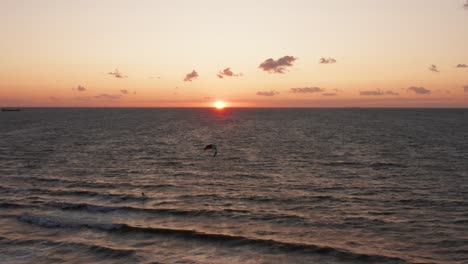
x: 10, y: 110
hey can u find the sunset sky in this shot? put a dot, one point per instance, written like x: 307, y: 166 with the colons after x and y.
x: 309, y: 53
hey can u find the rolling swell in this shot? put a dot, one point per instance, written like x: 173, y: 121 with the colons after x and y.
x: 219, y: 239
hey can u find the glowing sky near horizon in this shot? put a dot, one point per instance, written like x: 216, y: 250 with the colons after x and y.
x: 328, y: 53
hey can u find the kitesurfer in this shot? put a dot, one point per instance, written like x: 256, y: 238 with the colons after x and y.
x: 213, y: 147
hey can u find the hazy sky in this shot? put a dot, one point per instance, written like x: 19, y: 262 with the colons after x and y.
x: 323, y: 53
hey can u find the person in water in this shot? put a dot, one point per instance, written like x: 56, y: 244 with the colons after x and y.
x: 213, y: 147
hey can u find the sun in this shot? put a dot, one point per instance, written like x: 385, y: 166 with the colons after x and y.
x: 219, y: 104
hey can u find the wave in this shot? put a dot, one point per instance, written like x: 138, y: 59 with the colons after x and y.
x: 343, y: 163
x: 62, y: 192
x: 99, y: 249
x: 374, y: 165
x: 100, y: 185
x: 12, y: 205
x: 228, y: 212
x: 229, y: 240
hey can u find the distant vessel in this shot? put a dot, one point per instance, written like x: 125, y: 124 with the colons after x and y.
x: 10, y: 110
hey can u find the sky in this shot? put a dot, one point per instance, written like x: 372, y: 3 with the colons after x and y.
x: 184, y: 53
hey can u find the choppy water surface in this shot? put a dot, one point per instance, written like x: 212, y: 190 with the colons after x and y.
x: 287, y: 186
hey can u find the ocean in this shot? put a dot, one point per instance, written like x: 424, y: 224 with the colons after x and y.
x: 133, y: 185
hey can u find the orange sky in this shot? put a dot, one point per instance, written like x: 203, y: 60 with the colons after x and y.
x: 375, y: 53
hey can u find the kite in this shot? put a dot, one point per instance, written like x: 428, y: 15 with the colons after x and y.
x: 213, y: 147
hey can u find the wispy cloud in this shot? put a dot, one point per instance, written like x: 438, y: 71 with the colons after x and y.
x: 227, y: 72
x: 465, y: 88
x: 433, y: 68
x: 306, y: 90
x: 191, y: 76
x: 117, y: 74
x: 378, y: 92
x: 327, y: 60
x: 466, y: 4
x: 419, y: 90
x: 329, y: 94
x: 107, y: 97
x: 277, y: 66
x: 124, y: 91
x: 371, y: 93
x: 267, y: 93
x: 391, y: 93
x: 462, y: 66
x: 53, y: 98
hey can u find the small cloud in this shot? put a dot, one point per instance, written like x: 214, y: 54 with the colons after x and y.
x: 372, y: 93
x: 227, y: 72
x: 277, y: 66
x: 190, y: 76
x: 53, y: 98
x: 134, y: 93
x: 337, y: 90
x: 434, y: 68
x: 268, y: 93
x: 391, y: 93
x: 207, y: 98
x: 329, y: 94
x: 79, y: 88
x: 117, y: 74
x: 419, y: 90
x: 124, y: 91
x: 462, y: 66
x: 466, y: 4
x: 465, y: 88
x: 107, y: 97
x: 153, y: 77
x: 327, y: 60
x: 306, y: 90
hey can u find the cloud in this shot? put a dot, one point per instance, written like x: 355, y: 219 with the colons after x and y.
x: 327, y: 60
x: 268, y: 93
x: 466, y: 4
x: 124, y: 91
x: 107, y: 97
x: 207, y: 98
x: 378, y: 92
x: 306, y: 90
x: 80, y: 88
x: 190, y: 76
x: 53, y: 98
x: 419, y: 90
x: 465, y: 88
x: 371, y: 93
x: 391, y: 93
x: 117, y: 74
x: 329, y: 94
x: 462, y: 66
x: 277, y: 66
x: 227, y: 72
x: 434, y: 68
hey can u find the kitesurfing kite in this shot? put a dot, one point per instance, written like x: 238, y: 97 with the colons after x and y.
x: 213, y: 147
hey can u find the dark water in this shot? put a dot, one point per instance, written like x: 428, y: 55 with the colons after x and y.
x: 287, y: 186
